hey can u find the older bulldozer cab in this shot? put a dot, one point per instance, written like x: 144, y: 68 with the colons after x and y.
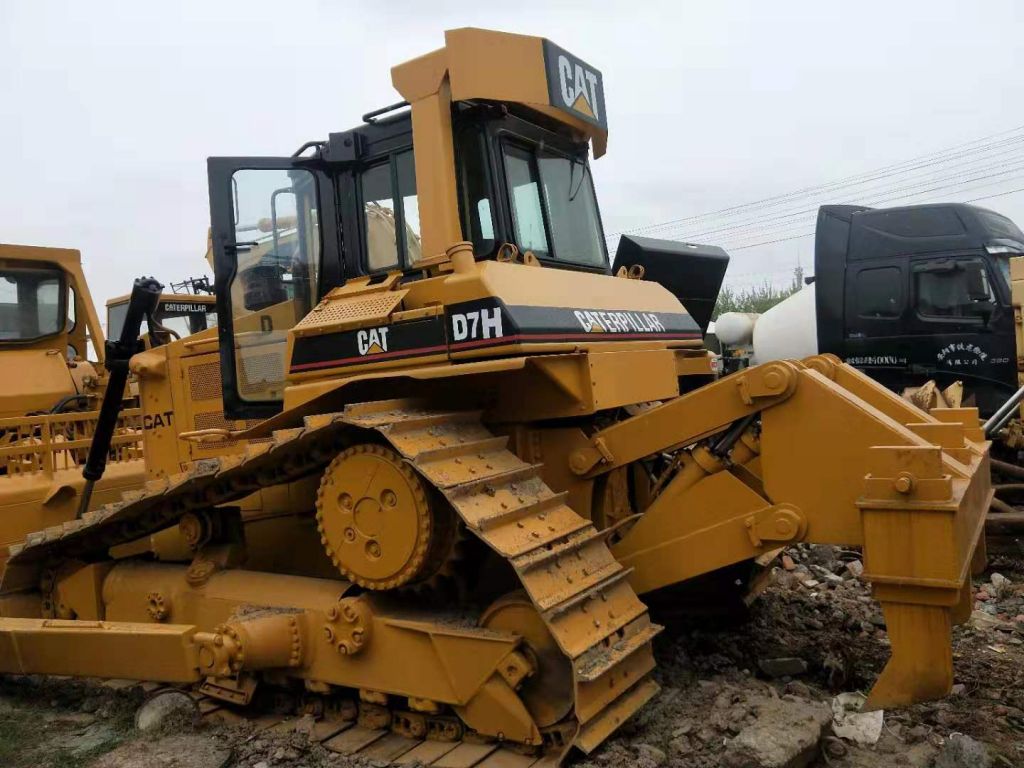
x: 509, y: 176
x: 49, y: 330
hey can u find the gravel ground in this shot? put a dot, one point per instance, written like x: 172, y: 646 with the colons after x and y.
x: 755, y: 694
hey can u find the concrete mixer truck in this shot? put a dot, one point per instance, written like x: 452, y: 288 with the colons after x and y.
x: 908, y: 295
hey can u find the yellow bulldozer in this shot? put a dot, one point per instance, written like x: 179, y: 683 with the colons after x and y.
x: 50, y: 393
x: 51, y: 336
x: 474, y: 452
x: 177, y: 314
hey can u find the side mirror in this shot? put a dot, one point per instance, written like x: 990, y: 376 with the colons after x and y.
x: 984, y: 309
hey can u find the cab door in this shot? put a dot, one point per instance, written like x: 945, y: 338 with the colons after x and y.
x: 276, y: 251
x: 961, y: 323
x: 875, y: 334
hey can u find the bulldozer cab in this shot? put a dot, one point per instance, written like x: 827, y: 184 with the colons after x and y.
x: 45, y: 303
x: 182, y: 315
x: 510, y: 177
x: 48, y: 328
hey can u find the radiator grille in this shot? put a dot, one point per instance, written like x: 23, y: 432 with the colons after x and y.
x: 259, y: 372
x: 204, y: 381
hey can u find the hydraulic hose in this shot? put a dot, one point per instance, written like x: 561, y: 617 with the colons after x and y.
x: 143, y: 303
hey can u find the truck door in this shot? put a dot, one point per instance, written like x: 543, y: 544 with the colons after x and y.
x: 961, y: 326
x: 275, y: 242
x: 874, y: 338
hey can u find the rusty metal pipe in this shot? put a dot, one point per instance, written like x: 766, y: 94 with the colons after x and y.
x: 1008, y: 469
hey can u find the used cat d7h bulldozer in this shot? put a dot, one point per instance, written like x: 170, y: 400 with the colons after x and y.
x: 472, y: 449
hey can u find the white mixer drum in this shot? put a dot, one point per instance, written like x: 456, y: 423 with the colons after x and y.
x: 789, y: 330
x: 735, y: 329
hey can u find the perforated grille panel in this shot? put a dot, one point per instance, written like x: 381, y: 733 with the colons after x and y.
x: 257, y: 371
x: 204, y: 381
x: 376, y: 306
x: 212, y: 420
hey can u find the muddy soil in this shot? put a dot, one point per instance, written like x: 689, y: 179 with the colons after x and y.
x: 748, y: 694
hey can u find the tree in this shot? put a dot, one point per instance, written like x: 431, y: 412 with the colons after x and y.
x: 759, y: 298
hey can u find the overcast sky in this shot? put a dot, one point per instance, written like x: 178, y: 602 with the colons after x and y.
x: 109, y: 110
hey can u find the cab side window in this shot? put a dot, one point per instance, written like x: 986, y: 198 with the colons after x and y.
x: 953, y: 289
x: 879, y: 292
x: 391, y: 216
x: 379, y: 212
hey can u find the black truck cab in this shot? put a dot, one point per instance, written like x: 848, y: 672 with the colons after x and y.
x: 920, y: 292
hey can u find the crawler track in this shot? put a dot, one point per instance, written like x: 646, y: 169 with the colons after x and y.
x: 581, y: 592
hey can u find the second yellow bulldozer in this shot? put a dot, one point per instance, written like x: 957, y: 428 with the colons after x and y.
x: 476, y: 452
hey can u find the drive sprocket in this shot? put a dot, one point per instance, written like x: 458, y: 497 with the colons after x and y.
x: 377, y: 521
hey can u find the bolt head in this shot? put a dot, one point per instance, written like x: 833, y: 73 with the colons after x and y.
x: 904, y: 483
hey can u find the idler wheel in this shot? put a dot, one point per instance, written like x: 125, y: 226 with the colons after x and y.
x: 548, y: 693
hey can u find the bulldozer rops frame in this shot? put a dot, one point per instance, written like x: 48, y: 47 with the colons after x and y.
x: 464, y: 469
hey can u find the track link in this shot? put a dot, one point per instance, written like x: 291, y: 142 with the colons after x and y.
x: 581, y: 592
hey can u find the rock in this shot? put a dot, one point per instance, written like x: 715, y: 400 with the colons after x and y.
x: 796, y: 688
x: 680, y: 746
x: 81, y: 719
x: 834, y: 747
x: 261, y: 764
x: 962, y: 751
x: 1000, y: 584
x: 958, y: 689
x: 917, y: 734
x: 811, y: 583
x: 782, y: 667
x: 785, y: 735
x: 90, y: 704
x: 823, y: 555
x: 723, y: 700
x: 787, y: 563
x: 650, y: 754
x: 170, y: 711
x: 92, y: 739
x: 851, y: 723
x: 855, y: 568
x: 682, y: 728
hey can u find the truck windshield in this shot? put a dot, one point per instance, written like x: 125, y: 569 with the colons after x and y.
x: 554, y: 211
x: 30, y: 304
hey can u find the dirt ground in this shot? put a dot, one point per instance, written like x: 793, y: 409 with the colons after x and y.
x: 755, y: 694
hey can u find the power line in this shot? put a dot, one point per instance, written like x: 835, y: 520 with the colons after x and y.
x: 926, y: 160
x: 883, y: 190
x: 740, y: 237
x: 809, y: 234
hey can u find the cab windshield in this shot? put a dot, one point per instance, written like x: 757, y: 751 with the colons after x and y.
x: 30, y: 304
x: 554, y: 210
x: 184, y: 317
